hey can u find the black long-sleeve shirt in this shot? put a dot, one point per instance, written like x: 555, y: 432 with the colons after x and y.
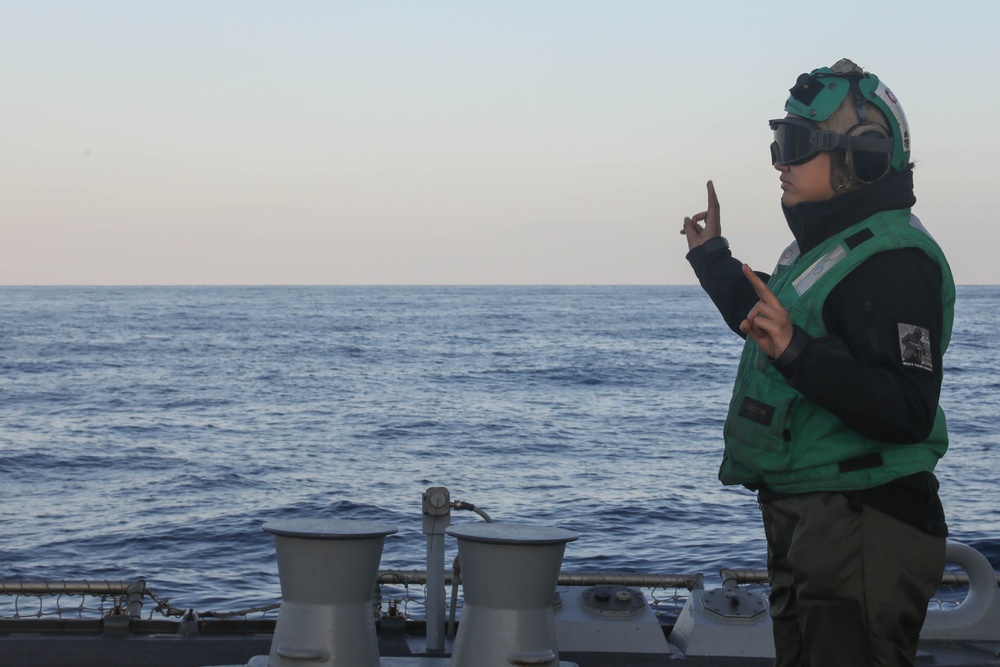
x: 857, y: 370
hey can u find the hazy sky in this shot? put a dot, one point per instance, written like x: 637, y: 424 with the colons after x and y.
x: 409, y: 142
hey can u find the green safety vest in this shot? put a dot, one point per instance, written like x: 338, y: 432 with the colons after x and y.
x: 777, y: 437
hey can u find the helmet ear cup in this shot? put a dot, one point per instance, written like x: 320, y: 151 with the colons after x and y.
x: 868, y: 166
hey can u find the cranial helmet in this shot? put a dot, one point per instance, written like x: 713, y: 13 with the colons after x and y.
x: 847, y: 110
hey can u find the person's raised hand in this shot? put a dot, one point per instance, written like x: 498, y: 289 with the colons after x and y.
x: 767, y: 322
x: 706, y: 225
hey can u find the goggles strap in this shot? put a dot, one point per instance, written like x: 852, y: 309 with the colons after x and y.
x: 859, y: 101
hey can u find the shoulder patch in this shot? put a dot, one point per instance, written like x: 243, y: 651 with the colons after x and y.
x: 915, y: 346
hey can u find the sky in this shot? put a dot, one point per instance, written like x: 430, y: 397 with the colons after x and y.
x: 409, y: 142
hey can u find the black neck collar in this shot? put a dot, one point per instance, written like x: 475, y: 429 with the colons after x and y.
x: 814, y: 222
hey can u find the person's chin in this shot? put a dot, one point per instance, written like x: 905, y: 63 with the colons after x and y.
x: 789, y: 200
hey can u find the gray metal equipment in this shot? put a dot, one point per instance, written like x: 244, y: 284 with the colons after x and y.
x: 509, y: 576
x: 327, y: 569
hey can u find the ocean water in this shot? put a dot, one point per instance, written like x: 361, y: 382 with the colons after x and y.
x: 150, y: 431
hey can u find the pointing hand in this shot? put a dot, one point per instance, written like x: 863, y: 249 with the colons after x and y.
x: 698, y: 233
x: 767, y: 322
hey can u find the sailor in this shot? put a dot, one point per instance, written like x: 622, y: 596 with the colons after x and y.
x: 834, y: 419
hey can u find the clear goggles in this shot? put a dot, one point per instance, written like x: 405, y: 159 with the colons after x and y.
x: 797, y: 140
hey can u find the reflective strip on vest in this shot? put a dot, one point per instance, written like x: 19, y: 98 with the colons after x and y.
x: 819, y: 267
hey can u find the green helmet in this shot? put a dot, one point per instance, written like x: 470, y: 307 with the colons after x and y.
x: 817, y: 95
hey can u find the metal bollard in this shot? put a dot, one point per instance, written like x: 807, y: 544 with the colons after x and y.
x: 509, y: 576
x: 328, y: 569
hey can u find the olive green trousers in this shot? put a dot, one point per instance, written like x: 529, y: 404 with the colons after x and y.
x: 849, y: 584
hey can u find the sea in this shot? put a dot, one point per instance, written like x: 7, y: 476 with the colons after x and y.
x: 149, y: 432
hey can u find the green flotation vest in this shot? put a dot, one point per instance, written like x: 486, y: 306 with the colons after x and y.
x: 774, y: 435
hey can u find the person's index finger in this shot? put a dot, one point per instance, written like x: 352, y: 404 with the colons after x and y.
x: 753, y: 277
x: 763, y: 291
x: 713, y: 199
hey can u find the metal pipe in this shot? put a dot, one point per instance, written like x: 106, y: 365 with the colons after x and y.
x: 742, y: 575
x: 132, y: 591
x: 640, y: 579
x: 688, y: 581
x: 436, y: 518
x: 435, y: 601
x: 456, y: 568
x: 63, y: 587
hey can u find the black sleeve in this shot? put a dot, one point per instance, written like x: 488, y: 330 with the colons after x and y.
x: 721, y: 276
x: 865, y: 369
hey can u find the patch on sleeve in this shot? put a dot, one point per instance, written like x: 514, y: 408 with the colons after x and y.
x: 755, y: 411
x: 915, y: 346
